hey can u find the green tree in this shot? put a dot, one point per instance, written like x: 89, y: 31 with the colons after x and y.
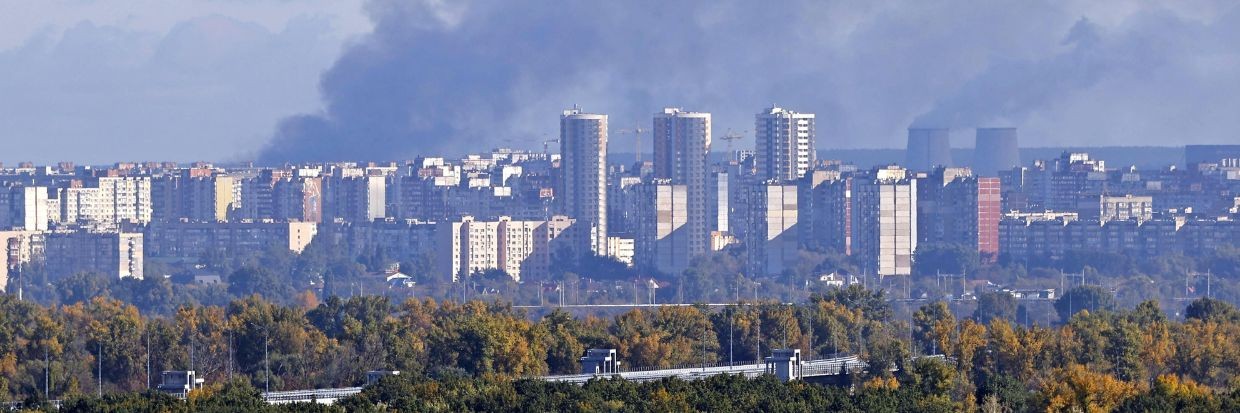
x: 872, y: 303
x: 931, y: 259
x: 1086, y: 297
x: 82, y: 287
x: 1208, y: 309
x: 1123, y: 351
x: 995, y: 305
x: 262, y: 281
x: 933, y: 325
x: 563, y: 347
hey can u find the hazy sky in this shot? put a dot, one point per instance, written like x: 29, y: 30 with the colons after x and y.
x: 103, y: 81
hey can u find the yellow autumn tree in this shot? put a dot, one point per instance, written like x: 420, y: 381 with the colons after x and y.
x: 1076, y: 388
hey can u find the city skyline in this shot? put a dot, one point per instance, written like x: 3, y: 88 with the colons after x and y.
x: 643, y: 205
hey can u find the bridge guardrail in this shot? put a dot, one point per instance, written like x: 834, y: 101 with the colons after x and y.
x: 310, y: 395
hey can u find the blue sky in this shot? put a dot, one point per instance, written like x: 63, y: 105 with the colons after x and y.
x: 105, y: 81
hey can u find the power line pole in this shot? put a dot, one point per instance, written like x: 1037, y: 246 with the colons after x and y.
x: 703, y: 346
x: 99, y: 380
x: 266, y: 363
x: 47, y: 374
x: 148, y: 359
x: 758, y: 345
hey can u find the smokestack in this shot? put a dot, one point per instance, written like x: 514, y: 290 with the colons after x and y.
x: 928, y: 148
x: 996, y: 150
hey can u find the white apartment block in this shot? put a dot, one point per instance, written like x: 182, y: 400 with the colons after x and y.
x: 884, y: 221
x: 583, y: 163
x: 1123, y: 208
x: 622, y: 249
x: 784, y: 143
x: 113, y: 200
x: 718, y: 202
x: 521, y: 248
x: 662, y: 227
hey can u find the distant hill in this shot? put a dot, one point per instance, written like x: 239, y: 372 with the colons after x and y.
x: 1144, y: 157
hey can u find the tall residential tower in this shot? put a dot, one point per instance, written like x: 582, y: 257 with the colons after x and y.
x: 583, y: 161
x: 785, y: 144
x: 681, y: 152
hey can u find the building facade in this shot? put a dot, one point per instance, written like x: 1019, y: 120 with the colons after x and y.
x: 785, y: 147
x: 884, y: 221
x: 772, y: 238
x: 114, y: 254
x: 193, y: 240
x: 520, y: 248
x: 583, y: 164
x: 663, y: 233
x: 681, y: 155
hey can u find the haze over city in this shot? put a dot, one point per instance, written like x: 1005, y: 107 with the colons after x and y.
x: 619, y: 206
x: 273, y: 81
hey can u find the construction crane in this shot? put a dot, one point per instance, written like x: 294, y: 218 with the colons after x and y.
x: 637, y: 135
x: 546, y: 143
x: 733, y: 136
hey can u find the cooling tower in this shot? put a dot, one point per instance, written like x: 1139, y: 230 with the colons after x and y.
x: 927, y: 148
x: 996, y: 150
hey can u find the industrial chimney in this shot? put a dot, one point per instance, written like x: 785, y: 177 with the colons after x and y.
x: 928, y: 148
x: 996, y: 150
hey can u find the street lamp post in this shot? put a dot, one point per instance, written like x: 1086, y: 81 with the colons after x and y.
x: 266, y: 360
x: 99, y: 379
x: 266, y: 363
x: 731, y: 322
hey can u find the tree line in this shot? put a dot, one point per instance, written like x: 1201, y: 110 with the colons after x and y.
x: 1098, y: 356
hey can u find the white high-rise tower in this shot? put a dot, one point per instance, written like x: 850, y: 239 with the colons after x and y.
x: 785, y: 144
x: 583, y: 161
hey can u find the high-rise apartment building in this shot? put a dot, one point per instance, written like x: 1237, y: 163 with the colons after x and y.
x: 108, y: 253
x: 17, y: 250
x: 662, y: 227
x: 520, y: 248
x: 772, y: 238
x: 681, y: 155
x: 824, y: 200
x: 297, y: 198
x: 357, y: 197
x: 956, y: 207
x: 583, y: 163
x: 624, y: 203
x: 784, y: 144
x: 258, y: 194
x: 110, y: 201
x: 718, y: 202
x: 884, y: 221
x: 24, y: 208
x: 192, y: 240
